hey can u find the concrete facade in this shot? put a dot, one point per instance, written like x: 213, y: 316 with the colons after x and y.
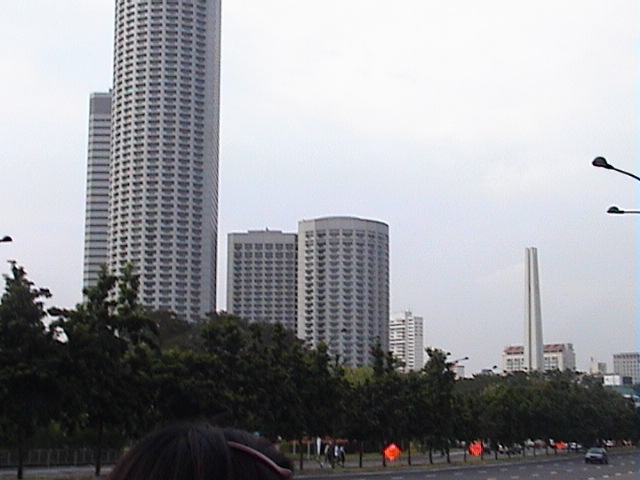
x: 343, y: 286
x: 627, y: 365
x: 533, y: 346
x: 556, y: 356
x: 406, y: 339
x: 261, y: 276
x: 97, y: 190
x: 163, y: 175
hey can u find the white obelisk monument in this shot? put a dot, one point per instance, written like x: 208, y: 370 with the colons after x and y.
x: 533, y: 345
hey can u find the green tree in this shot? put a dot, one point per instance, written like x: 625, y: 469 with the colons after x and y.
x: 107, y: 346
x: 29, y: 362
x: 440, y: 381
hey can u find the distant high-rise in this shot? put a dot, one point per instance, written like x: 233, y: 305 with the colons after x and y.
x: 406, y: 340
x: 343, y: 286
x: 627, y: 365
x: 163, y: 175
x: 533, y: 346
x: 261, y: 276
x: 97, y: 193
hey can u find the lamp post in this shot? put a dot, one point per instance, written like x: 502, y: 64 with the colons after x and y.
x: 602, y: 163
x: 453, y: 365
x: 616, y: 211
x: 459, y: 360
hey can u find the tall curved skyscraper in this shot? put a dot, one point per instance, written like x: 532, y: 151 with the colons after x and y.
x: 163, y: 172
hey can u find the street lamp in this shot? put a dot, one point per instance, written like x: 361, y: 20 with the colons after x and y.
x: 454, y: 365
x: 615, y: 210
x: 459, y: 360
x: 602, y: 163
x: 6, y: 238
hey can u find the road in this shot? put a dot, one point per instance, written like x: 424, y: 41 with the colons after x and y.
x: 622, y: 466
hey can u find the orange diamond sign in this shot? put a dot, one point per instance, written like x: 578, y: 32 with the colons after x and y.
x: 392, y: 452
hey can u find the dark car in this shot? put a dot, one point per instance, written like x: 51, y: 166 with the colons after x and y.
x: 596, y: 455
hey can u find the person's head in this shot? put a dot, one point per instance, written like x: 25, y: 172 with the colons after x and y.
x: 199, y: 451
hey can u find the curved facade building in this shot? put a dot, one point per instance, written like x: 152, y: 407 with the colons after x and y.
x: 343, y: 286
x: 163, y: 174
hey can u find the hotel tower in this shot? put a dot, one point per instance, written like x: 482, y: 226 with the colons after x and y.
x: 343, y: 286
x: 163, y: 168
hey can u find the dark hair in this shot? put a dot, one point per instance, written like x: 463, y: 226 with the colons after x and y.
x: 199, y: 451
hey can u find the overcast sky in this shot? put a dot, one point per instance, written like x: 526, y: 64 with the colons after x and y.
x: 469, y: 127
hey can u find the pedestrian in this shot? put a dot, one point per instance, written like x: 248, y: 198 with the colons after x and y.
x: 200, y: 451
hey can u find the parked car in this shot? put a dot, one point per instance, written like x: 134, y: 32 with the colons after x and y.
x: 596, y: 455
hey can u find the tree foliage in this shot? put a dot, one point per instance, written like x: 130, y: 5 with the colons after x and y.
x: 127, y: 369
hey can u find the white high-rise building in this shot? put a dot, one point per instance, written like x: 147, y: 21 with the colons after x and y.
x: 261, y: 276
x: 97, y: 195
x: 163, y: 176
x: 343, y: 286
x: 627, y: 365
x: 406, y: 339
x: 533, y: 346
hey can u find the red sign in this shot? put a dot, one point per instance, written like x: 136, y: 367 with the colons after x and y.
x: 475, y: 449
x: 392, y: 452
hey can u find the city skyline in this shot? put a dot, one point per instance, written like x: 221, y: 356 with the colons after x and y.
x: 470, y: 131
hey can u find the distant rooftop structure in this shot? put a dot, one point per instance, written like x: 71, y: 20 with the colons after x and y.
x: 556, y: 356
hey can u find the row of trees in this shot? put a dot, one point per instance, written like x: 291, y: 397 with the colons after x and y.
x: 112, y: 369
